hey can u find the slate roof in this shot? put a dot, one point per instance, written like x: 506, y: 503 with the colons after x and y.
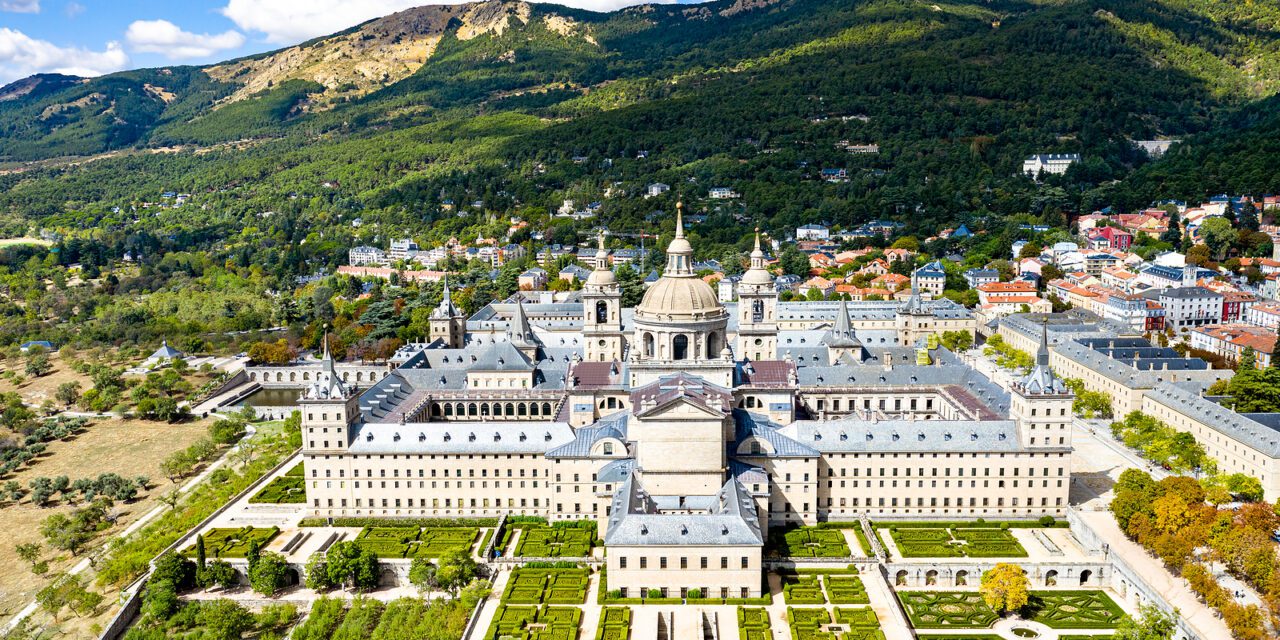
x: 637, y: 521
x: 753, y: 425
x: 681, y: 385
x: 611, y: 426
x: 460, y: 437
x: 857, y: 435
x: 1260, y: 431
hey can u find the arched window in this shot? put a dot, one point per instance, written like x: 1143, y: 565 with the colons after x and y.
x: 509, y: 410
x: 448, y: 410
x: 648, y: 345
x: 484, y: 409
x: 713, y: 345
x: 546, y: 408
x: 757, y: 311
x: 602, y: 312
x: 522, y: 409
x: 680, y: 348
x: 471, y: 409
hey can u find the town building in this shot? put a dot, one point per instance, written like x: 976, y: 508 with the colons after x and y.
x: 1055, y: 163
x: 360, y: 256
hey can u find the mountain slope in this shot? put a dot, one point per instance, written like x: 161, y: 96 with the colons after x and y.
x: 750, y: 94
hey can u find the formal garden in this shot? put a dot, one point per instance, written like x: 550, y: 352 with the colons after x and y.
x: 925, y: 542
x: 753, y: 624
x: 846, y: 590
x: 802, y: 589
x: 290, y: 488
x: 967, y: 610
x: 416, y: 542
x: 555, y: 542
x: 233, y: 543
x: 535, y: 623
x: 808, y: 542
x: 615, y: 624
x: 849, y: 624
x: 538, y: 585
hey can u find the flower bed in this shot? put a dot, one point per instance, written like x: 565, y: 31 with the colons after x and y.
x: 555, y: 542
x: 846, y: 590
x: 546, y: 586
x: 809, y: 542
x: 232, y: 543
x: 753, y: 624
x: 942, y: 609
x: 534, y: 623
x: 920, y: 542
x: 412, y: 542
x: 1074, y: 609
x: 615, y: 624
x: 803, y: 590
x: 290, y: 488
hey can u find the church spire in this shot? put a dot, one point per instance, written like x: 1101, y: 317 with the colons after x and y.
x: 519, y: 331
x: 679, y: 252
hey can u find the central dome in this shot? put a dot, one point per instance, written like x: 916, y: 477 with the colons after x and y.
x: 680, y: 298
x: 680, y: 294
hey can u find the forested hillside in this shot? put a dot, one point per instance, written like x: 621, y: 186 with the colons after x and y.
x: 479, y: 112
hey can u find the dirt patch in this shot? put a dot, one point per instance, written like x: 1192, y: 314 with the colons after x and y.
x: 129, y: 448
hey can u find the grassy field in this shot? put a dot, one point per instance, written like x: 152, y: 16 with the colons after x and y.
x: 100, y: 449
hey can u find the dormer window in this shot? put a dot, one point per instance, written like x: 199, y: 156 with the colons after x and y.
x: 447, y: 437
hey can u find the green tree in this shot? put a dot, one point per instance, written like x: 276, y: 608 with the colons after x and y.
x: 1152, y: 623
x: 68, y: 393
x: 456, y: 569
x: 347, y: 563
x: 268, y: 574
x: 223, y: 620
x: 1218, y: 236
x: 422, y: 573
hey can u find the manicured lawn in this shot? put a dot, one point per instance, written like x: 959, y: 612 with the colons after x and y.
x: 942, y: 609
x: 918, y: 542
x: 753, y: 624
x: 615, y: 624
x: 1074, y: 609
x: 555, y: 542
x: 967, y: 636
x: 290, y: 488
x: 809, y: 542
x: 411, y: 542
x: 535, y: 623
x: 803, y: 589
x: 232, y: 543
x: 546, y: 586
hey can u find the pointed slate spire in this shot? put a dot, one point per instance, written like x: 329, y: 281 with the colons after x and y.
x: 446, y: 309
x: 519, y: 331
x: 1042, y: 380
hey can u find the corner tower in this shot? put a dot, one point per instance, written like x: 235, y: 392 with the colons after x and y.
x: 447, y: 322
x: 1041, y: 403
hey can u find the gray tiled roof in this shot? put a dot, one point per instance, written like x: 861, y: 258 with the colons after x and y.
x: 753, y: 425
x: 1259, y: 431
x: 855, y: 435
x: 637, y: 521
x: 460, y: 437
x: 610, y: 426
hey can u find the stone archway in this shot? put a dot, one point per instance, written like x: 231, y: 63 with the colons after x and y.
x: 1051, y: 578
x: 931, y: 577
x: 1084, y: 577
x: 901, y: 579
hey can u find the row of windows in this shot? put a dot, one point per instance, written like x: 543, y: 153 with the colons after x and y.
x: 785, y: 507
x: 973, y: 471
x: 684, y: 562
x: 448, y: 503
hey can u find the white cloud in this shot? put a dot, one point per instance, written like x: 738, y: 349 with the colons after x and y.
x: 22, y: 55
x: 164, y: 37
x: 20, y: 6
x: 290, y: 21
x: 73, y: 9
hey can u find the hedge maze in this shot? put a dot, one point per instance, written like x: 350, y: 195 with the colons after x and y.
x: 802, y: 589
x: 546, y: 586
x: 615, y: 624
x: 535, y: 623
x: 846, y: 590
x: 753, y: 624
x: 1074, y: 609
x: 290, y: 488
x: 943, y: 609
x: 956, y: 543
x: 232, y: 543
x: 555, y: 542
x: 809, y: 542
x: 412, y: 542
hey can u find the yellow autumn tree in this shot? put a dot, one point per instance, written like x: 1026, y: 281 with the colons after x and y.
x: 1005, y: 587
x: 1172, y: 513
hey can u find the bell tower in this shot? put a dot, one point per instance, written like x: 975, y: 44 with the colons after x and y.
x: 1042, y: 403
x: 757, y: 310
x: 602, y: 310
x: 447, y: 322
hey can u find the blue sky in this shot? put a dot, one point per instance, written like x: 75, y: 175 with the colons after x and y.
x: 92, y: 37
